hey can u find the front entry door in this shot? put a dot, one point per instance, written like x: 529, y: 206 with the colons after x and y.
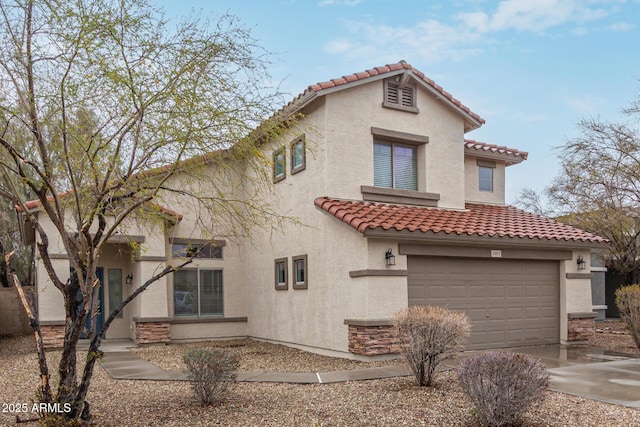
x: 100, y: 316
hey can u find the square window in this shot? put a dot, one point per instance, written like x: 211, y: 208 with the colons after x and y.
x: 298, y: 155
x: 485, y: 178
x: 300, y: 272
x: 395, y: 166
x: 198, y: 292
x: 279, y: 165
x: 281, y: 274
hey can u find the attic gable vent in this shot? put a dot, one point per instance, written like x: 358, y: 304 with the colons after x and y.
x: 399, y: 96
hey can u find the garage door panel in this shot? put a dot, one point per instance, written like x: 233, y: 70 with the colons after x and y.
x: 509, y: 302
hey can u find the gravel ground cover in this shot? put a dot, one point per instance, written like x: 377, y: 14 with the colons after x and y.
x: 389, y: 402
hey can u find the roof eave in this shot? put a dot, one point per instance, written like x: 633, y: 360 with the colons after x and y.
x: 509, y: 159
x: 478, y: 240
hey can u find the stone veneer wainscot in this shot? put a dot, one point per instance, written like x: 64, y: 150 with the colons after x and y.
x: 372, y: 337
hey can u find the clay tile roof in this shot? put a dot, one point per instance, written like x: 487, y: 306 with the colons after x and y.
x: 476, y: 220
x: 380, y: 71
x: 35, y: 204
x: 482, y: 146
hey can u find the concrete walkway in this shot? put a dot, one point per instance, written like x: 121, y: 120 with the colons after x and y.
x: 581, y: 371
x: 123, y: 364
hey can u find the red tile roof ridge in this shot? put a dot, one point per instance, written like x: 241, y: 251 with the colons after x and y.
x: 435, y: 208
x: 363, y: 75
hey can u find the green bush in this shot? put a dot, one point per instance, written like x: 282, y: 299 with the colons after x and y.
x: 628, y: 302
x: 429, y: 335
x: 210, y: 373
x: 502, y: 385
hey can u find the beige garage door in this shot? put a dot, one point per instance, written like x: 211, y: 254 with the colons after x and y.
x: 509, y: 302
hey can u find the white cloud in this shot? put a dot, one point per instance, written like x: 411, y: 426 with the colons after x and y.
x: 339, y: 46
x: 621, y: 27
x: 478, y: 21
x: 429, y: 39
x: 530, y: 15
x: 469, y: 33
x: 540, y: 15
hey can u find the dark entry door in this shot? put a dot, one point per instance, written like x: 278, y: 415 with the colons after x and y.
x: 100, y: 316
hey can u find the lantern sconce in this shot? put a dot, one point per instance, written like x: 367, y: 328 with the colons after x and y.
x: 582, y: 264
x: 390, y: 257
x: 129, y: 279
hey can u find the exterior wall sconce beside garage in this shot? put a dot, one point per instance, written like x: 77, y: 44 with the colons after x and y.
x: 582, y: 264
x: 390, y: 257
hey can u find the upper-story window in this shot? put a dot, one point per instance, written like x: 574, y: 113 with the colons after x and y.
x: 395, y: 166
x: 279, y: 164
x: 485, y: 175
x: 399, y: 94
x: 298, y: 155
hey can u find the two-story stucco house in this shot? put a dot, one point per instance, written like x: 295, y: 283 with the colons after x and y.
x: 396, y: 208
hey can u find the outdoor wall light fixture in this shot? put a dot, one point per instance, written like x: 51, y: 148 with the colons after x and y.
x: 582, y: 264
x: 129, y: 279
x: 390, y: 257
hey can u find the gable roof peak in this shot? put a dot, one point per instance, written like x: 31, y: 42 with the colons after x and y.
x: 472, y: 120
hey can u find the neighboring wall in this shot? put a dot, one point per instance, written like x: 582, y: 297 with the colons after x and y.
x: 13, y: 318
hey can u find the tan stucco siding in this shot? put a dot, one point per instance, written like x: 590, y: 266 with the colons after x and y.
x: 575, y: 293
x: 472, y: 186
x: 352, y: 113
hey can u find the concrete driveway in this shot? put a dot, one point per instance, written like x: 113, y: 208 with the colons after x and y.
x: 596, y: 374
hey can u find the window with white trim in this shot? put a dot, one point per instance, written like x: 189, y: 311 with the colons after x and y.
x: 395, y: 166
x: 198, y: 292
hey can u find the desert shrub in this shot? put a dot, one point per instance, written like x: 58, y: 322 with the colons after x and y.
x: 429, y: 335
x: 502, y: 385
x: 210, y: 373
x: 628, y: 302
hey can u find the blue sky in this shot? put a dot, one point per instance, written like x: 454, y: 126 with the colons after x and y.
x: 531, y: 68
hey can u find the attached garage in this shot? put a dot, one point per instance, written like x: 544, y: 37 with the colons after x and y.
x: 510, y: 302
x: 522, y: 279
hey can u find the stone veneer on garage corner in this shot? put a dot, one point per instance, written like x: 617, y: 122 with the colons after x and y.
x: 369, y: 339
x: 372, y: 338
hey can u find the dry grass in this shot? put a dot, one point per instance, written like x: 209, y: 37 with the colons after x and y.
x: 391, y: 402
